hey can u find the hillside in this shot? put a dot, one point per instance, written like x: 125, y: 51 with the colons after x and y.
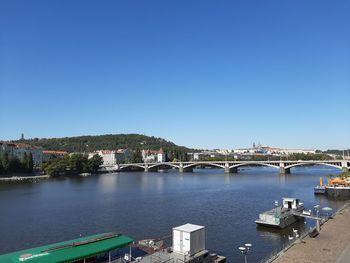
x: 106, y: 142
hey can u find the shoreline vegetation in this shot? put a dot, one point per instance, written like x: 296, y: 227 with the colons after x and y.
x: 10, y: 164
x: 74, y: 164
x: 341, y: 175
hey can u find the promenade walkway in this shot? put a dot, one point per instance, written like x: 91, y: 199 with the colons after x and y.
x: 331, y: 245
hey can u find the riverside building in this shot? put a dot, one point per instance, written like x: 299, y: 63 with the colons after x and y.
x: 19, y: 149
x: 113, y: 157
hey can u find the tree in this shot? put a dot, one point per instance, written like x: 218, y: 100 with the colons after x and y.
x: 30, y: 162
x: 24, y: 162
x: 5, y: 162
x: 184, y: 157
x: 1, y: 167
x: 94, y: 163
x: 77, y: 163
x: 14, y: 164
x: 137, y: 156
x: 56, y: 167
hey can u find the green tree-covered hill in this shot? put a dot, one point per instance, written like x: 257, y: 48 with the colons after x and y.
x: 106, y: 142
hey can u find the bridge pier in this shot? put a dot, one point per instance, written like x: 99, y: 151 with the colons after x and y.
x: 183, y: 169
x: 231, y: 170
x: 146, y: 168
x: 283, y: 169
x: 344, y: 166
x: 117, y: 167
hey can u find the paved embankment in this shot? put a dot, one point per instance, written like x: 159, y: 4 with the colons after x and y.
x: 20, y: 178
x: 331, y: 245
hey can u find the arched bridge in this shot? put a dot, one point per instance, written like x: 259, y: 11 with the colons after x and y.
x: 229, y: 166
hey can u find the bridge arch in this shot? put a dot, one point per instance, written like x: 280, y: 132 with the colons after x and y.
x: 254, y: 163
x: 122, y: 166
x: 163, y: 164
x: 205, y: 164
x: 315, y: 163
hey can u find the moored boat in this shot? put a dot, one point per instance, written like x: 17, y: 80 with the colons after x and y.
x: 188, y: 247
x: 281, y: 216
x: 338, y: 187
x: 320, y: 189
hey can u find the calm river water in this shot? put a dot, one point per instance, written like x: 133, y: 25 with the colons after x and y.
x: 143, y: 205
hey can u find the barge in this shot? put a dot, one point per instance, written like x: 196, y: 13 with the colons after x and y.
x: 338, y: 187
x: 282, y: 216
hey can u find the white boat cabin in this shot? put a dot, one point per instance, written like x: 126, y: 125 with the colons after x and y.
x: 291, y: 203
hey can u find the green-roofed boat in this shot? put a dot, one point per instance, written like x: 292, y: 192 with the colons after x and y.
x: 114, y: 247
x: 83, y: 249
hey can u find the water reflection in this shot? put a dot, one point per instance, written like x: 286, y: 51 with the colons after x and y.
x: 108, y: 184
x: 282, y: 179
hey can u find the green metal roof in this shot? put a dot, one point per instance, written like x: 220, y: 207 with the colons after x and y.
x: 68, y: 251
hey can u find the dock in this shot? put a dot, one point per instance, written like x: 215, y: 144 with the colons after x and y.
x: 170, y: 257
x: 331, y: 245
x: 295, y: 213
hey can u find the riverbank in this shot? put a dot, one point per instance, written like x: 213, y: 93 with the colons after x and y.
x: 20, y: 178
x: 331, y: 245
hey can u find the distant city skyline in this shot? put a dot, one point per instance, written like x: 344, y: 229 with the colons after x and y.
x: 203, y: 74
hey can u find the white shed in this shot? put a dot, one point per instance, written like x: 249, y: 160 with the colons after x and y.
x: 290, y: 203
x: 188, y: 239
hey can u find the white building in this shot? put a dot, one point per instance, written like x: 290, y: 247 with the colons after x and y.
x: 149, y: 156
x: 188, y: 239
x: 291, y: 151
x: 113, y: 157
x: 7, y: 147
x: 161, y: 157
x: 108, y: 157
x: 19, y: 149
x: 275, y: 151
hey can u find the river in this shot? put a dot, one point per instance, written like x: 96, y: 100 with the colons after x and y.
x: 143, y: 205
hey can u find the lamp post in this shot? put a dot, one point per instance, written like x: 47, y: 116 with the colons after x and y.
x: 244, y: 250
x: 316, y: 209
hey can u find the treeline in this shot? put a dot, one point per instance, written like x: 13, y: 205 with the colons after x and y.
x: 72, y: 165
x: 308, y: 157
x: 177, y: 155
x: 12, y: 164
x: 338, y: 152
x: 106, y: 142
x: 341, y: 175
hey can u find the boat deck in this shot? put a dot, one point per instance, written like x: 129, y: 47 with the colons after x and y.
x: 164, y: 256
x: 278, y: 217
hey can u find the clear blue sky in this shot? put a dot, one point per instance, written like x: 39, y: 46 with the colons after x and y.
x: 200, y: 73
